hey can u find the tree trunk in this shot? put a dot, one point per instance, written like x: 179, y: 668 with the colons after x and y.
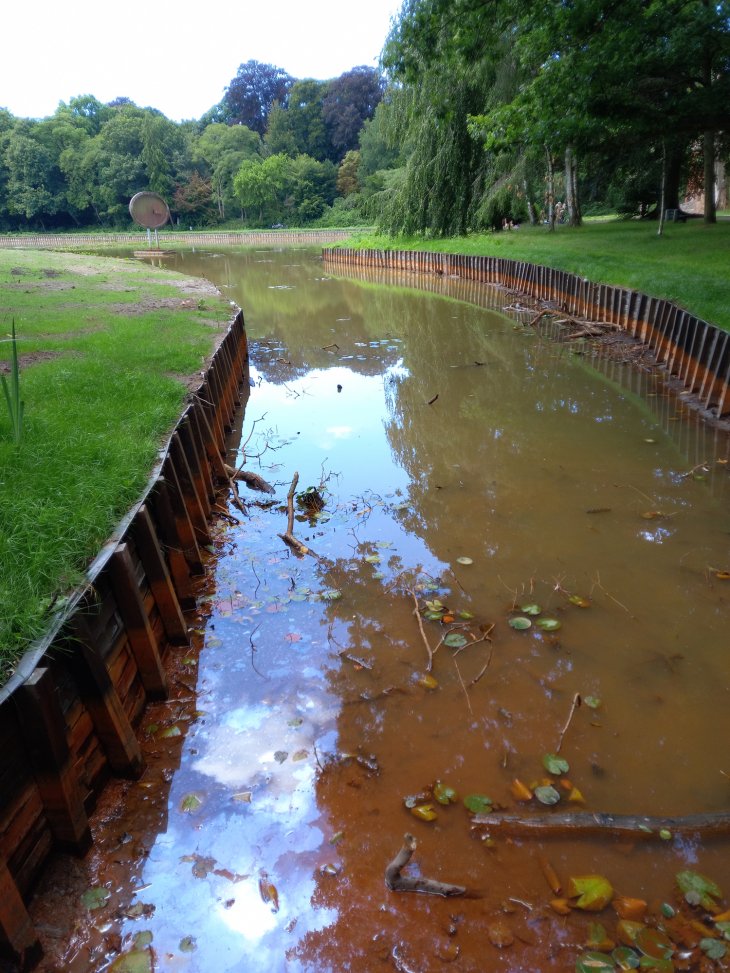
x: 673, y: 158
x: 721, y: 198
x: 550, y: 194
x: 663, y: 191
x: 709, y: 154
x: 571, y: 188
x: 530, y: 205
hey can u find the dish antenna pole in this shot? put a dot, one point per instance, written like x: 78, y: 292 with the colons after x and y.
x: 150, y: 211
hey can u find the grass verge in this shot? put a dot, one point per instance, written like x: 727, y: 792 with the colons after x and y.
x: 105, y: 350
x: 688, y: 264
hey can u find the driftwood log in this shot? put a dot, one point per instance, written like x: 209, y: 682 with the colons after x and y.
x: 403, y: 883
x: 252, y: 480
x: 596, y: 824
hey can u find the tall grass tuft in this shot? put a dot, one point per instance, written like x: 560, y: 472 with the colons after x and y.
x: 15, y: 404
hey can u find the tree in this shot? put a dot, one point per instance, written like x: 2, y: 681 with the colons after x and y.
x: 347, y: 181
x: 349, y: 102
x: 223, y: 148
x: 250, y: 95
x: 304, y: 112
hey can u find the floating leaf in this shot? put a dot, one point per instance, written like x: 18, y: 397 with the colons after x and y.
x: 592, y: 962
x: 549, y: 624
x: 598, y: 938
x: 713, y: 948
x: 331, y: 594
x: 188, y: 944
x: 593, y: 892
x: 520, y: 623
x: 547, y: 794
x: 428, y: 681
x: 627, y: 908
x: 143, y: 939
x: 579, y: 601
x: 455, y: 640
x: 293, y: 637
x: 723, y: 928
x: 280, y: 756
x: 520, y: 791
x: 723, y: 575
x: 443, y: 793
x: 592, y: 702
x: 372, y: 559
x: 190, y: 803
x: 300, y: 755
x: 434, y: 616
x: 653, y: 943
x: 665, y: 834
x: 699, y: 888
x: 464, y: 560
x: 95, y: 898
x: 555, y: 764
x: 424, y: 812
x: 625, y: 958
x: 243, y: 797
x: 171, y: 731
x: 531, y: 609
x: 478, y: 803
x: 466, y: 615
x: 500, y: 934
x: 329, y: 869
x: 268, y: 892
x: 136, y: 961
x: 627, y: 930
x: 337, y: 838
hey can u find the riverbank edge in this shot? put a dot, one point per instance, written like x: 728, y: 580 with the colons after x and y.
x: 69, y: 713
x: 694, y: 354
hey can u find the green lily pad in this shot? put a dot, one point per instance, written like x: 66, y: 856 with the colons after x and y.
x: 443, y: 793
x: 331, y: 594
x: 520, y: 623
x: 455, y: 640
x: 714, y: 948
x: 555, y: 764
x: 478, y: 803
x: 592, y: 892
x: 424, y: 812
x: 549, y: 624
x: 625, y: 958
x: 372, y: 559
x: 592, y: 702
x: 466, y: 615
x: 190, y: 803
x: 136, y: 961
x: 531, y: 609
x: 698, y: 889
x: 95, y: 898
x: 188, y: 944
x: 547, y: 795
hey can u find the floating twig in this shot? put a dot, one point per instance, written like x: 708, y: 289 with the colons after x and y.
x: 400, y: 883
x: 289, y: 539
x: 431, y: 401
x: 576, y: 703
x: 463, y: 686
x: 417, y: 613
x: 596, y: 824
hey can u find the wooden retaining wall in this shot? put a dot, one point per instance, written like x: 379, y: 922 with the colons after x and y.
x: 696, y: 353
x: 139, y: 240
x: 68, y: 714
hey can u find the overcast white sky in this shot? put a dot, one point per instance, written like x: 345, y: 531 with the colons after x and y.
x: 175, y: 56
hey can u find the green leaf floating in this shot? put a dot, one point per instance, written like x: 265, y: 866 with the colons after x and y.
x: 455, y: 640
x: 444, y: 794
x: 593, y: 892
x: 531, y: 609
x: 478, y: 803
x: 95, y: 898
x: 555, y: 764
x: 520, y: 623
x: 549, y: 624
x: 547, y: 795
x: 698, y: 889
x: 625, y: 958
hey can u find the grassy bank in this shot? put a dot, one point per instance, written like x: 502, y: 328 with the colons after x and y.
x: 689, y: 264
x: 105, y: 349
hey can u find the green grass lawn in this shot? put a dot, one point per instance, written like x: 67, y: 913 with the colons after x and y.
x: 105, y: 347
x: 688, y: 264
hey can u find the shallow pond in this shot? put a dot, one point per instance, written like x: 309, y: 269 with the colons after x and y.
x: 484, y: 473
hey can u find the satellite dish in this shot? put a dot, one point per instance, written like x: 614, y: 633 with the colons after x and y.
x: 149, y: 210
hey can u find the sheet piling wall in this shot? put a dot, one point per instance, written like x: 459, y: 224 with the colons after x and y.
x: 693, y: 352
x: 69, y: 714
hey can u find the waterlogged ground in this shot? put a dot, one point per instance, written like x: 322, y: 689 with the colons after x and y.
x: 482, y: 474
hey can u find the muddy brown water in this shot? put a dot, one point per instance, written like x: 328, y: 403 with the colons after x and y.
x: 462, y: 458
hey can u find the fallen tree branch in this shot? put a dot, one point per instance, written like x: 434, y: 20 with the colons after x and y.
x: 576, y: 703
x: 289, y: 539
x: 252, y: 480
x: 401, y: 883
x: 589, y: 824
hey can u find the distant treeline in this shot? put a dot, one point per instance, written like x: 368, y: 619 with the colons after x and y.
x: 275, y: 150
x: 486, y: 114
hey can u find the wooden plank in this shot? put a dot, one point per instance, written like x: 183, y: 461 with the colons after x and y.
x: 190, y: 448
x: 189, y: 490
x: 103, y: 703
x: 141, y: 638
x: 45, y: 733
x: 16, y: 927
x: 183, y: 525
x: 158, y: 576
x: 167, y: 530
